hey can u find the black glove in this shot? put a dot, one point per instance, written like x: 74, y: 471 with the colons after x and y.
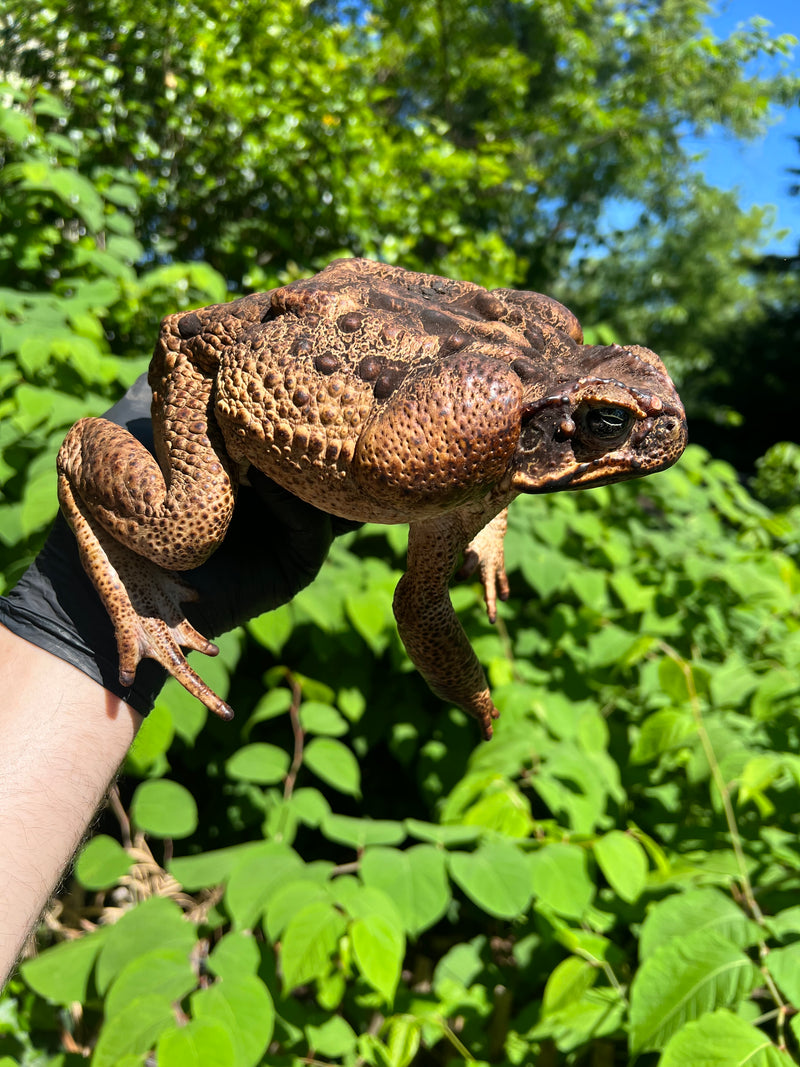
x: 274, y: 547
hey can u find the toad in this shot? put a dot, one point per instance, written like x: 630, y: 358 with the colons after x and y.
x: 376, y: 394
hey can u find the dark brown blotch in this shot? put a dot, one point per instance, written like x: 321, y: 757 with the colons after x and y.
x: 326, y: 363
x: 525, y: 368
x: 535, y: 338
x: 351, y: 322
x: 454, y: 343
x: 300, y: 398
x: 386, y: 383
x: 190, y: 325
x: 436, y: 322
x: 369, y: 368
x: 391, y: 333
x: 490, y: 306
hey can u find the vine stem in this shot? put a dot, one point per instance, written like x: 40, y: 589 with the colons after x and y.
x: 733, y: 828
x: 299, y: 735
x: 719, y: 782
x: 116, y: 805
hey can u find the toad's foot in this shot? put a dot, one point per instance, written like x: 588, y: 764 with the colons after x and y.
x: 428, y: 626
x: 484, y: 554
x: 143, y: 602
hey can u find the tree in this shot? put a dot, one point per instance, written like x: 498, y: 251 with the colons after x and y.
x: 484, y: 140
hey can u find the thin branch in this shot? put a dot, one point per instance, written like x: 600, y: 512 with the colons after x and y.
x: 299, y: 736
x: 115, y: 802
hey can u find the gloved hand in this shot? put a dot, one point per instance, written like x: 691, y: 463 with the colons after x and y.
x: 274, y: 547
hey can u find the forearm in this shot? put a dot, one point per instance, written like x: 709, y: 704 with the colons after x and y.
x: 62, y: 738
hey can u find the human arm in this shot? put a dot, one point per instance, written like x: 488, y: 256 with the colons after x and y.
x: 62, y: 738
x: 66, y: 721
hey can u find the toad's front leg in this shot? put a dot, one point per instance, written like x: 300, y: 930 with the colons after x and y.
x: 135, y: 524
x: 428, y: 625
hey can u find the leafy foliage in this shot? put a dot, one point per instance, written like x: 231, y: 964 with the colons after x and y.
x: 72, y: 302
x: 588, y: 878
x: 344, y: 874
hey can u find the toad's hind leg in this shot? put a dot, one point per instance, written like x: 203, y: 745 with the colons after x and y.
x: 134, y: 526
x: 428, y: 625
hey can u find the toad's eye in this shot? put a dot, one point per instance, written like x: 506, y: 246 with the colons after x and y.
x: 607, y: 423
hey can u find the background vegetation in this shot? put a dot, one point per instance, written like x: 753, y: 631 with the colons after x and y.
x: 344, y: 875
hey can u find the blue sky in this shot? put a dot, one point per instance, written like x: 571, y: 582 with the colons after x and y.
x: 759, y: 168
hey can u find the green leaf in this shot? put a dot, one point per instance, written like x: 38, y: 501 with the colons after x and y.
x: 308, y: 943
x: 310, y: 806
x: 319, y: 718
x: 273, y: 629
x: 496, y: 877
x: 164, y: 809
x: 443, y: 835
x: 133, y: 1031
x: 243, y: 1007
x: 567, y: 984
x: 186, y: 712
x: 722, y: 1039
x: 260, y: 763
x: 156, y: 923
x: 379, y: 948
x: 288, y: 901
x: 661, y: 732
x: 370, y: 613
x: 784, y: 966
x: 235, y: 954
x: 683, y: 980
x: 201, y: 1043
x: 505, y: 810
x: 545, y: 570
x: 334, y: 1038
x: 460, y: 966
x: 415, y: 879
x: 776, y: 692
x: 362, y: 832
x: 275, y: 702
x: 152, y: 741
x: 15, y: 125
x: 123, y: 195
x: 561, y: 880
x: 403, y: 1040
x: 256, y: 878
x: 360, y: 901
x: 695, y: 911
x: 611, y: 645
x: 166, y: 973
x: 623, y: 861
x: 102, y: 863
x: 674, y: 682
x: 61, y: 974
x: 209, y: 868
x: 334, y: 763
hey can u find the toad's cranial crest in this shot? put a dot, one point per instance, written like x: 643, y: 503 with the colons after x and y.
x: 376, y: 394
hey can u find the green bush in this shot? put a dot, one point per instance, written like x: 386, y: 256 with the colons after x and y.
x: 346, y: 874
x: 73, y: 304
x: 777, y: 479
